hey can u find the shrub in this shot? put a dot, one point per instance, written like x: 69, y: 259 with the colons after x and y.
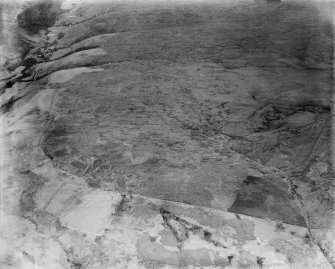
x: 60, y: 35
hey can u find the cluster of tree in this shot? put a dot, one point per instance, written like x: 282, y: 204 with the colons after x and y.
x: 39, y: 15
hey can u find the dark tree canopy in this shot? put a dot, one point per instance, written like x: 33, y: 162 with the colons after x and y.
x: 39, y: 15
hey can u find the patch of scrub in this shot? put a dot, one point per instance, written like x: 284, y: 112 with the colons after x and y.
x: 66, y: 75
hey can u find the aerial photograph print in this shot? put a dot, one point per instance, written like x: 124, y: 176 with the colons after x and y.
x: 167, y: 134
